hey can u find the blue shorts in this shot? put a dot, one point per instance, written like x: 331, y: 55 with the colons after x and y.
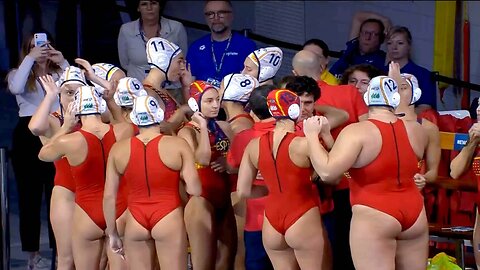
x: 256, y: 257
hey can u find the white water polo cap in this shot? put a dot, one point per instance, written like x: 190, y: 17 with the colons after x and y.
x: 238, y: 87
x: 72, y: 75
x: 268, y: 60
x: 146, y: 111
x: 104, y: 71
x: 128, y: 89
x: 382, y: 91
x: 413, y: 82
x: 87, y: 101
x: 160, y: 53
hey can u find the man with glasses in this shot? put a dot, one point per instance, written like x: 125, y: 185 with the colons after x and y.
x: 366, y: 36
x: 221, y: 52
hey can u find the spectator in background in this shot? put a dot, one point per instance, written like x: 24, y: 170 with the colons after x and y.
x: 366, y: 36
x: 134, y: 35
x: 33, y: 176
x: 221, y: 52
x: 360, y: 76
x: 320, y: 48
x: 399, y: 45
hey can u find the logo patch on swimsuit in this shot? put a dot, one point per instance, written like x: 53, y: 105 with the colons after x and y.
x: 222, y: 145
x: 88, y: 106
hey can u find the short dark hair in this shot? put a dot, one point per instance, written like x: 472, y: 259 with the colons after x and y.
x: 258, y: 101
x: 304, y: 85
x: 380, y: 25
x: 286, y: 80
x: 320, y: 43
x: 370, y: 70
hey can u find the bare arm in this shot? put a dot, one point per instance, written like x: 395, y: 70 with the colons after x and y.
x: 433, y: 153
x: 247, y: 171
x: 189, y: 172
x: 201, y: 153
x: 461, y: 163
x: 362, y: 16
x: 55, y: 148
x: 39, y: 124
x: 330, y: 166
x: 336, y: 117
x: 110, y: 193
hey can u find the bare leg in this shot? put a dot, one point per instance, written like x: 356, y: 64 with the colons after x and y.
x: 227, y: 242
x: 139, y: 246
x: 373, y: 239
x: 116, y: 262
x: 87, y: 242
x: 305, y: 236
x: 280, y: 254
x: 62, y: 206
x: 201, y: 233
x: 240, y: 208
x: 170, y: 238
x: 412, y: 245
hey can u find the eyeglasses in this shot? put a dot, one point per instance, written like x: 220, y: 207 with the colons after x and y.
x: 220, y: 14
x: 370, y: 34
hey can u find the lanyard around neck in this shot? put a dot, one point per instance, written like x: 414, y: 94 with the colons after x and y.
x: 218, y: 68
x: 142, y: 33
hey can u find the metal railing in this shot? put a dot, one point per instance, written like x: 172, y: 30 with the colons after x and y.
x: 5, y: 237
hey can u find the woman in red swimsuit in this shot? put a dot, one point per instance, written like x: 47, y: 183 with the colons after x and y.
x: 49, y: 126
x: 469, y: 158
x: 87, y: 151
x: 151, y: 165
x: 292, y: 228
x: 167, y: 65
x: 235, y: 91
x: 389, y: 228
x: 209, y: 218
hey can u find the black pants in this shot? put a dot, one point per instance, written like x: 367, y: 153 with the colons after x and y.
x: 33, y: 177
x: 342, y: 258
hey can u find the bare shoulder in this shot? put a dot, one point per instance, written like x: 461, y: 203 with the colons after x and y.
x: 187, y: 130
x: 429, y: 126
x: 299, y: 144
x: 174, y: 142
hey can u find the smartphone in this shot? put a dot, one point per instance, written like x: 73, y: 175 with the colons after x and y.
x: 40, y: 39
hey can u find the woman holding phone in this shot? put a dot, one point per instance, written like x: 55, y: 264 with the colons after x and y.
x: 23, y: 82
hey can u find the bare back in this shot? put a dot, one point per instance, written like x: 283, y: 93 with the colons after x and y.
x: 370, y: 140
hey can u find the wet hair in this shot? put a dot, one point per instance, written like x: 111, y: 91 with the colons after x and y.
x: 370, y: 70
x: 258, y: 101
x: 304, y: 85
x: 400, y: 30
x: 319, y: 43
x: 380, y: 25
